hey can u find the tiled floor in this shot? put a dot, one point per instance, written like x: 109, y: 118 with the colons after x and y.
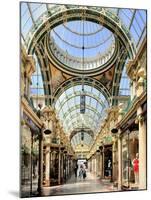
x: 77, y: 186
x: 25, y: 190
x: 91, y: 184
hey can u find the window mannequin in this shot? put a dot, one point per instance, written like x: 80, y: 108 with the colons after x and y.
x: 109, y: 167
x: 136, y: 168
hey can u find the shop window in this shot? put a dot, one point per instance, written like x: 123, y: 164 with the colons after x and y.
x: 129, y: 151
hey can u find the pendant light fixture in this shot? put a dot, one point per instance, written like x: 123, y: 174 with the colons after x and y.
x: 82, y: 135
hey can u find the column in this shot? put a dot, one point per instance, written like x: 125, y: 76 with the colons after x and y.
x: 140, y: 85
x: 134, y: 87
x: 68, y: 165
x: 59, y: 167
x: 50, y: 165
x: 142, y: 149
x: 62, y: 166
x: 119, y: 162
x: 65, y: 166
x: 40, y: 171
x: 47, y: 170
x: 114, y: 174
x: 98, y: 163
x: 64, y: 174
x: 93, y: 164
x: 131, y: 89
x: 103, y: 162
x: 88, y: 164
x: 101, y: 165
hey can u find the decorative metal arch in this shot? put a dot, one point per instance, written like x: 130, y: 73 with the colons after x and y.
x: 78, y: 94
x: 39, y: 49
x: 72, y: 109
x: 75, y: 117
x: 77, y: 81
x: 67, y: 13
x: 84, y: 141
x: 117, y: 76
x: 92, y: 72
x: 74, y: 132
x: 78, y: 107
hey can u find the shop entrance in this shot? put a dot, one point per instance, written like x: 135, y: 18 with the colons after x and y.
x: 108, y: 161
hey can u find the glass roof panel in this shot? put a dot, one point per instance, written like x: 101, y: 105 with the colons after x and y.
x: 68, y: 108
x: 87, y: 139
x: 76, y: 40
x: 74, y: 30
x: 125, y: 15
x: 143, y: 16
x: 135, y: 22
x: 113, y: 10
x: 37, y: 9
x: 80, y: 39
x: 124, y: 83
x: 36, y: 87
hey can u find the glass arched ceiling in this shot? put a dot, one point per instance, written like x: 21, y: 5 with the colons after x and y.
x: 76, y: 140
x: 68, y: 108
x: 72, y: 41
x: 133, y: 20
x: 124, y: 86
x: 36, y: 87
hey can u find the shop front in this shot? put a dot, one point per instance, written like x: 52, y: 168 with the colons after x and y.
x: 130, y: 160
x: 29, y: 156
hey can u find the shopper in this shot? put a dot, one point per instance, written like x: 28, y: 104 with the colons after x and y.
x: 75, y: 170
x: 84, y: 173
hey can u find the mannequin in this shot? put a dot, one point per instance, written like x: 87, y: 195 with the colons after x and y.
x: 109, y: 167
x: 135, y: 163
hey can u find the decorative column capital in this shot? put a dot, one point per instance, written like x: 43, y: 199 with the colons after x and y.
x: 131, y: 69
x: 47, y: 116
x: 139, y: 118
x: 141, y: 72
x: 29, y: 65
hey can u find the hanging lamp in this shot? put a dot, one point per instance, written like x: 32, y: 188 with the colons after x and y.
x: 82, y: 135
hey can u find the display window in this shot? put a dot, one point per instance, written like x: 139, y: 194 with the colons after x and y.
x: 130, y: 160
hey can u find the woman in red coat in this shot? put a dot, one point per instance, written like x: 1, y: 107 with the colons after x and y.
x: 136, y: 168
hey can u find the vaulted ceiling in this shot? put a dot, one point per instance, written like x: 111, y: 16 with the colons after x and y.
x: 78, y: 47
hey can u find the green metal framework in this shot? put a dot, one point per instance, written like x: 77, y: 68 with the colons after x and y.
x: 38, y: 20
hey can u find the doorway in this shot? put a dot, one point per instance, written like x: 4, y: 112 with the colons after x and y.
x: 108, y: 162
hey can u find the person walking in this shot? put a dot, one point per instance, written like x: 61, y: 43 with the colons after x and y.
x: 75, y: 170
x: 81, y: 172
x: 84, y: 173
